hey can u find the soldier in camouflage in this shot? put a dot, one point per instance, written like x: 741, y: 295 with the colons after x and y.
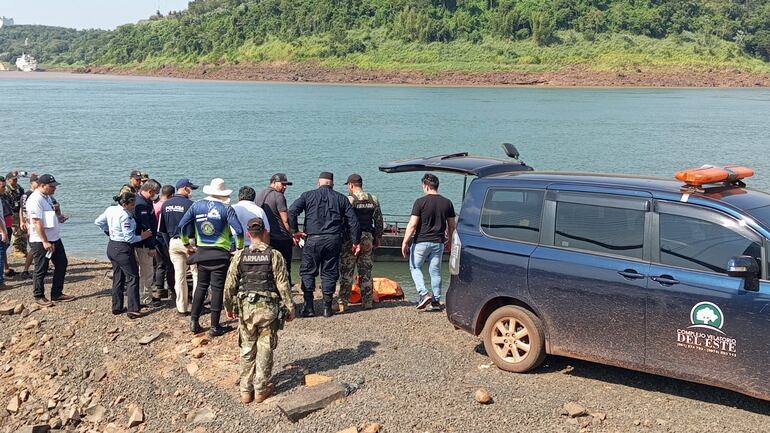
x: 135, y: 181
x: 367, y: 209
x: 257, y: 292
x: 13, y: 192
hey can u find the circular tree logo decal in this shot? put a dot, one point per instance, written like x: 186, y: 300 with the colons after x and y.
x: 707, y: 315
x: 207, y: 228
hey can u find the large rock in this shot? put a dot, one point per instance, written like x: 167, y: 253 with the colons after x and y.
x: 98, y: 374
x: 13, y: 404
x: 574, y: 410
x: 197, y: 353
x: 192, y: 368
x: 310, y: 399
x: 316, y: 379
x: 95, y: 413
x: 6, y: 309
x: 147, y: 339
x: 137, y: 416
x: 200, y: 341
x: 32, y: 324
x: 201, y: 416
x: 482, y: 396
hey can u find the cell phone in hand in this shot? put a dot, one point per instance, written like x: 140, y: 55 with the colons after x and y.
x: 49, y: 254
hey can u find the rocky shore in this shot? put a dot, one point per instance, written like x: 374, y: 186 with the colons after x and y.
x: 75, y: 367
x: 574, y: 76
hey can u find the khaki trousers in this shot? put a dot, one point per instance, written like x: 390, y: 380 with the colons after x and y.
x: 146, y: 273
x: 178, y: 254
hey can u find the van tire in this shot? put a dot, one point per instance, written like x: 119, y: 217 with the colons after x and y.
x: 509, y: 353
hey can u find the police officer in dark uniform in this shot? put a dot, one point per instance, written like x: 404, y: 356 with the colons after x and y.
x: 327, y: 213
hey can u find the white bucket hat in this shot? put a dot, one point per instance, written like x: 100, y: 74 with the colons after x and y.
x: 217, y: 188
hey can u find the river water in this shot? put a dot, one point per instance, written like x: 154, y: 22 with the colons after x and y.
x: 90, y: 132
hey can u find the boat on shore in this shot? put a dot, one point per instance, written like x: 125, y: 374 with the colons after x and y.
x: 390, y: 245
x: 26, y: 63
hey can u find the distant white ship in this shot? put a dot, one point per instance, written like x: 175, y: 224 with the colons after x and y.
x: 26, y: 63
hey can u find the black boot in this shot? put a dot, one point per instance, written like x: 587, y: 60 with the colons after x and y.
x: 328, y: 312
x: 308, y: 310
x: 195, y: 327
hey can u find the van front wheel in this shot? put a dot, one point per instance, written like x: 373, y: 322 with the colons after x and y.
x: 514, y: 339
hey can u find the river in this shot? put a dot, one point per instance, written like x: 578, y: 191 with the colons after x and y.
x: 90, y: 132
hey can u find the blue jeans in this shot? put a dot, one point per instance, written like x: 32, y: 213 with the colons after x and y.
x: 432, y: 252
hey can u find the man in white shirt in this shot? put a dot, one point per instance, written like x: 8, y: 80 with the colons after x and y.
x: 45, y: 242
x: 246, y: 209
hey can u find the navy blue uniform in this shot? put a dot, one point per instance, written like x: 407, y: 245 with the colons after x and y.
x: 144, y: 214
x: 328, y: 214
x: 171, y: 214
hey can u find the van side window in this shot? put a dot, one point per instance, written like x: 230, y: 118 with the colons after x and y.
x: 600, y: 229
x: 701, y: 245
x: 512, y: 214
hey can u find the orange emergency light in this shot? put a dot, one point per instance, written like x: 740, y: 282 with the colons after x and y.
x: 713, y: 174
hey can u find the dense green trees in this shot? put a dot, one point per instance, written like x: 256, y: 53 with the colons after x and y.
x: 220, y: 30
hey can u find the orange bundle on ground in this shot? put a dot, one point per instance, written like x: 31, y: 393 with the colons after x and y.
x: 383, y: 288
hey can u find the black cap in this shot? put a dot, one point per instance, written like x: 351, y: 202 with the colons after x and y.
x: 280, y: 177
x: 255, y: 226
x: 185, y: 183
x: 355, y: 178
x: 47, y: 179
x: 137, y: 174
x: 2, y: 179
x: 326, y: 175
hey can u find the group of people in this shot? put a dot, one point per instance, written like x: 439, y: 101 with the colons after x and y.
x: 238, y: 255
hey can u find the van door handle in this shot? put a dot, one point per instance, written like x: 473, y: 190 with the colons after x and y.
x: 665, y: 280
x: 631, y: 274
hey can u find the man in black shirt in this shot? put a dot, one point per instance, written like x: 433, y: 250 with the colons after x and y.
x: 327, y: 212
x: 144, y: 214
x: 432, y: 224
x: 273, y: 202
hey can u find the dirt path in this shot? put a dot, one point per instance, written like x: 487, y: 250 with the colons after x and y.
x: 575, y: 76
x: 419, y: 375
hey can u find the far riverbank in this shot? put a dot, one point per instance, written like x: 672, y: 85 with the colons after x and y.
x: 574, y: 76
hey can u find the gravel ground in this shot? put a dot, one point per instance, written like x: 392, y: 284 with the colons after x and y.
x: 419, y: 374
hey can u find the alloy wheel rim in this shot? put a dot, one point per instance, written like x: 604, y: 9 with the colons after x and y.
x: 510, y: 339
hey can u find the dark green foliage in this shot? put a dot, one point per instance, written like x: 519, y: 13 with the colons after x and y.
x: 217, y: 29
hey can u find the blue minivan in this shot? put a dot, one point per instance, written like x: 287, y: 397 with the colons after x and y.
x: 637, y: 272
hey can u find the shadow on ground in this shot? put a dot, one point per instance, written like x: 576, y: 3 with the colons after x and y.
x: 293, y: 375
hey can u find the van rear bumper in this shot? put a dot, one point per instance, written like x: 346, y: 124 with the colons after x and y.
x: 459, y: 311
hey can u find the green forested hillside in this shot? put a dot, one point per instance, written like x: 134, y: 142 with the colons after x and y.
x: 425, y: 34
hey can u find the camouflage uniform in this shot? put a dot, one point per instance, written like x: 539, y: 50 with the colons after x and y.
x: 257, y: 324
x: 126, y: 188
x: 367, y: 208
x: 19, y: 236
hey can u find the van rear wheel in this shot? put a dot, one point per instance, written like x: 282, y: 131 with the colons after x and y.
x: 514, y: 339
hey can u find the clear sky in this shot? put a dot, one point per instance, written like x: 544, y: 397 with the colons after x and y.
x: 85, y: 14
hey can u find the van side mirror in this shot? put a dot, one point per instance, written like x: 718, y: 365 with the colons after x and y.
x: 745, y: 267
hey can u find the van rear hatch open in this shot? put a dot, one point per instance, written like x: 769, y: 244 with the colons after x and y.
x: 460, y: 163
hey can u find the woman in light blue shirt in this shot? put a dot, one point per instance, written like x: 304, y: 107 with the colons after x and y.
x: 118, y: 223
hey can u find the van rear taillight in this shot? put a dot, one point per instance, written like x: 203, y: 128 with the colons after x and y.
x: 454, y: 257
